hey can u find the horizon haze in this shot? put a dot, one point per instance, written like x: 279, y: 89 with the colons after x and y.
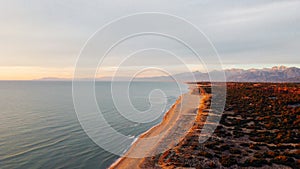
x: 43, y: 39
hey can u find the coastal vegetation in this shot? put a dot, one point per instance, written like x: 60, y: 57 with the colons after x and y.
x: 259, y: 128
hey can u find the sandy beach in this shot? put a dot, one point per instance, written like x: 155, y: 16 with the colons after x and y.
x: 175, y: 125
x: 249, y: 134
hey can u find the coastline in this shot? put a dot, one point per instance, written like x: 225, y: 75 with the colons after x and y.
x: 176, y: 123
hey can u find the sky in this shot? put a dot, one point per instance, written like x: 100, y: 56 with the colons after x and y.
x: 44, y: 38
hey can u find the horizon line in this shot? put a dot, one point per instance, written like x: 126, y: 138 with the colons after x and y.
x: 139, y: 78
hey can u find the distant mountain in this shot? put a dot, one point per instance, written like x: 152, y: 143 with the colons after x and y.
x: 274, y: 74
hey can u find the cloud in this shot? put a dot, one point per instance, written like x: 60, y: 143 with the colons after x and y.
x: 51, y: 33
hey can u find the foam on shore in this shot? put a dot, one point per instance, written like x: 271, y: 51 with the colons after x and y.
x: 174, y: 126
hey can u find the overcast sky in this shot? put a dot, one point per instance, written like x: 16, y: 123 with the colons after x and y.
x: 43, y: 38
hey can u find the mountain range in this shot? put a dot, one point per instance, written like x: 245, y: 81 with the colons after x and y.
x: 274, y: 74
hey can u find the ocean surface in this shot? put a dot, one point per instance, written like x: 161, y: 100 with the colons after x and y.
x: 39, y: 126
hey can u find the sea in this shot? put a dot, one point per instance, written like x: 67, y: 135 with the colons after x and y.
x: 39, y: 127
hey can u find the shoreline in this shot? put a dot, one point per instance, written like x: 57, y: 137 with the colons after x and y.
x: 114, y: 164
x: 145, y: 133
x: 181, y: 113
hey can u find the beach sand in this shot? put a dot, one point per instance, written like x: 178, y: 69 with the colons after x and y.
x: 176, y: 124
x: 249, y: 134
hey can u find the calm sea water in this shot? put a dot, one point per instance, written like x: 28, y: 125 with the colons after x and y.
x: 39, y: 127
